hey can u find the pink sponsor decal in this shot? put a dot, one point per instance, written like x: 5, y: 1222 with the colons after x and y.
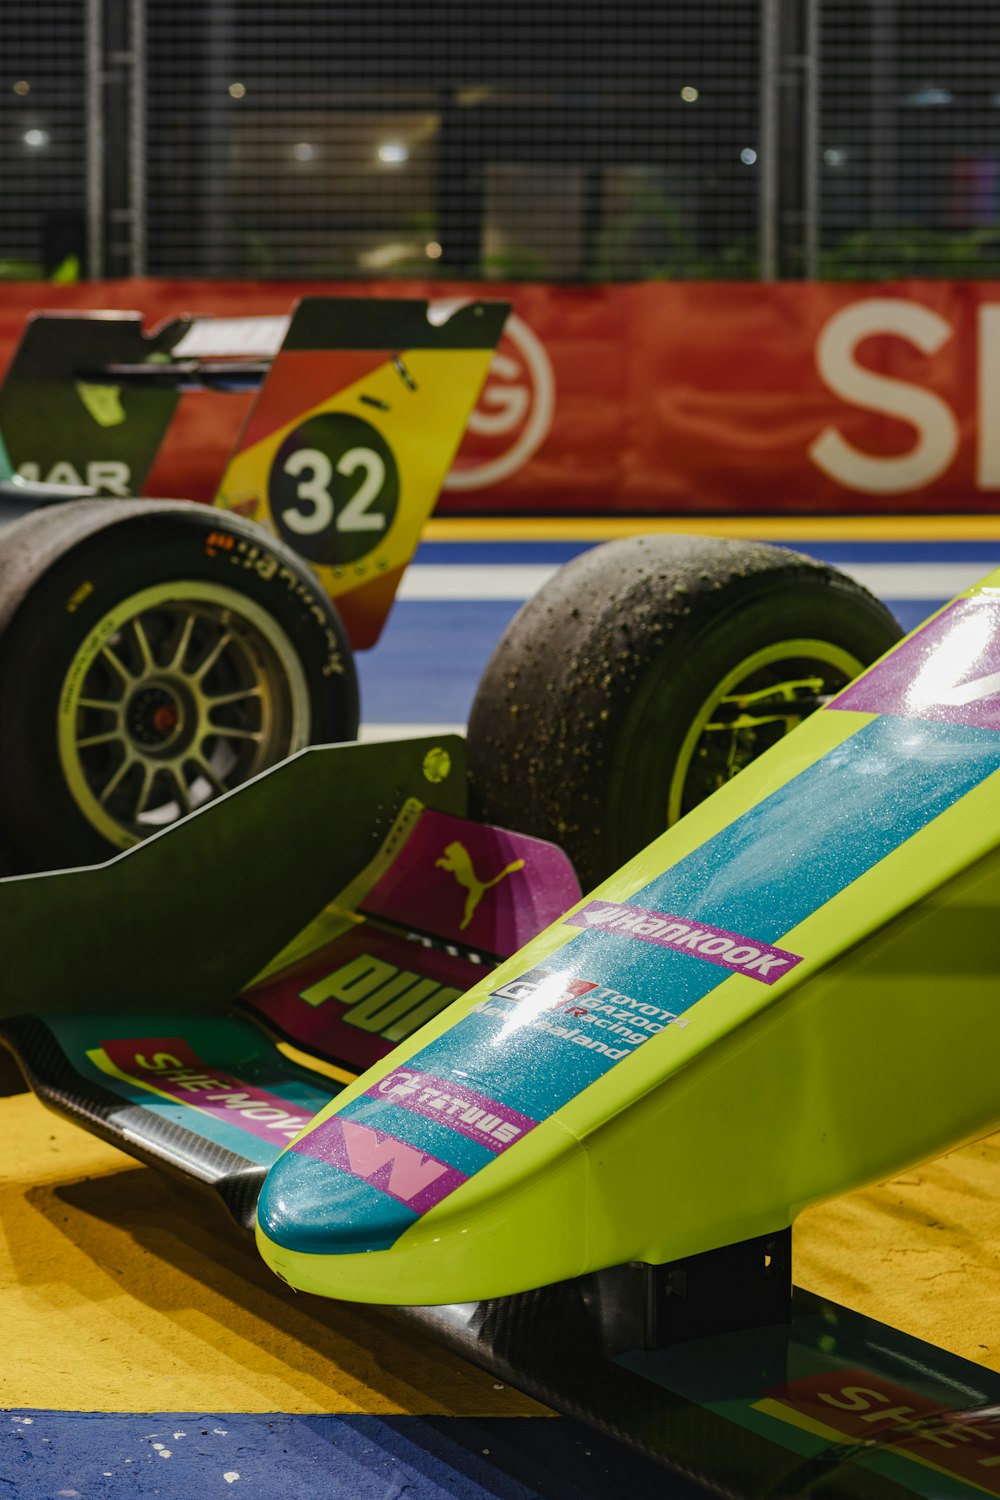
x: 393, y: 1166
x: 741, y: 955
x: 948, y: 671
x: 473, y: 1115
x: 167, y: 1065
x: 473, y: 884
x: 379, y: 989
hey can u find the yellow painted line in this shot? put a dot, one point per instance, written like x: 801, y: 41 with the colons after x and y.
x: 315, y: 1064
x: 764, y: 528
x: 121, y: 1291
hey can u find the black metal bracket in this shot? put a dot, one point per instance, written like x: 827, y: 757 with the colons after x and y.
x: 740, y: 1286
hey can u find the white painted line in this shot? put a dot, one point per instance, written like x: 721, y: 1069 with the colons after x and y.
x: 919, y: 580
x: 476, y: 582
x: 369, y: 733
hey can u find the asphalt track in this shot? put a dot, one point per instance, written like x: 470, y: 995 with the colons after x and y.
x: 144, y: 1349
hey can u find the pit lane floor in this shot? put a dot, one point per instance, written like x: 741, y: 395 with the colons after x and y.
x: 146, y: 1350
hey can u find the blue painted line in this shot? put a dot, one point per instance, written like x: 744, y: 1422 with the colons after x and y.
x: 839, y: 553
x: 463, y: 553
x: 427, y: 666
x: 842, y: 554
x: 112, y: 1456
x: 913, y: 612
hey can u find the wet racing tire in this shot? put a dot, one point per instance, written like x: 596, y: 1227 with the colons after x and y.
x: 647, y: 673
x: 153, y: 655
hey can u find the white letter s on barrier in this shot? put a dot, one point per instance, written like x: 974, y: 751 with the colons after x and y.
x: 937, y: 429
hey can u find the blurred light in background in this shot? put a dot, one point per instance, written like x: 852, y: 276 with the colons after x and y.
x: 393, y: 153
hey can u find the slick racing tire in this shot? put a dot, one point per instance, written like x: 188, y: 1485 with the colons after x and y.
x: 646, y: 674
x: 153, y: 655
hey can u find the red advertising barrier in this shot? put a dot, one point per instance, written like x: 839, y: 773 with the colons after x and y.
x: 666, y: 398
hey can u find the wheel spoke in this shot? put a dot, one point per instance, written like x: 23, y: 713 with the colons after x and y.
x: 177, y: 660
x: 142, y: 641
x: 223, y: 732
x: 148, y: 777
x: 111, y: 737
x: 220, y: 700
x: 183, y: 795
x: 103, y: 705
x: 213, y: 656
x: 117, y: 778
x: 116, y: 663
x: 209, y: 772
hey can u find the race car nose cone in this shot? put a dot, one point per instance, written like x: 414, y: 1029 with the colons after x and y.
x: 315, y: 1208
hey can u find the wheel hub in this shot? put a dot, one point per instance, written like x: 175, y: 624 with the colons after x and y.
x: 155, y: 717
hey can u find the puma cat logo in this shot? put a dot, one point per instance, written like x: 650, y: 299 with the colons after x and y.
x: 458, y: 862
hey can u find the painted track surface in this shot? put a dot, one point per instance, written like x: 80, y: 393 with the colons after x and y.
x: 459, y: 596
x: 149, y: 1352
x: 154, y: 1355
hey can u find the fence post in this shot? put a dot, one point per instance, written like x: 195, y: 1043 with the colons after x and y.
x: 789, y: 135
x: 116, y: 142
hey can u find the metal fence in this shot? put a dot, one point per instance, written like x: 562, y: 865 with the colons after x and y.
x: 43, y: 135
x: 909, y: 138
x: 602, y: 140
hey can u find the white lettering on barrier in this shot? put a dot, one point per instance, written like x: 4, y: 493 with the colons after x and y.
x: 935, y: 423
x: 987, y: 426
x: 937, y: 428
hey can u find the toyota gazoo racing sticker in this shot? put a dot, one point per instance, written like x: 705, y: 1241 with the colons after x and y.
x: 582, y: 1012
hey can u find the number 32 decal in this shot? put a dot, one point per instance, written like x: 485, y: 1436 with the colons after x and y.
x: 356, y: 514
x: 334, y: 488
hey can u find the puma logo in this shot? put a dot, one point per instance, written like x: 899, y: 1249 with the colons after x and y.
x: 457, y: 861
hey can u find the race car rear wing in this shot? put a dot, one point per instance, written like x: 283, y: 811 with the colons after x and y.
x: 359, y: 408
